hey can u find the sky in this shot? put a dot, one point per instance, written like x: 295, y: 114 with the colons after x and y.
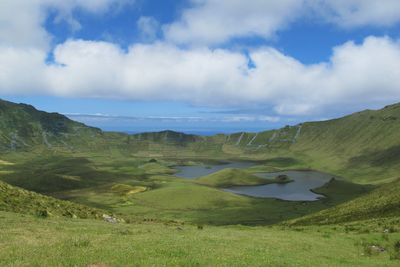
x: 200, y: 66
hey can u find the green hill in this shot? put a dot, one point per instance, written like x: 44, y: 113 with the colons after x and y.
x: 363, y: 147
x: 14, y: 199
x: 23, y: 128
x: 235, y: 177
x: 383, y: 202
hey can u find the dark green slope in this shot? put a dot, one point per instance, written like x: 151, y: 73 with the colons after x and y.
x: 23, y: 128
x: 364, y: 146
x: 357, y: 133
x: 18, y: 200
x: 383, y: 202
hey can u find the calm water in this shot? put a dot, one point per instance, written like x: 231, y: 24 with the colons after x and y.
x: 298, y: 190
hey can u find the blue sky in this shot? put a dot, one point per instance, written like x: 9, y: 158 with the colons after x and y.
x: 201, y: 66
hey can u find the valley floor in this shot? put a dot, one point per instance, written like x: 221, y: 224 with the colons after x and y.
x: 32, y: 241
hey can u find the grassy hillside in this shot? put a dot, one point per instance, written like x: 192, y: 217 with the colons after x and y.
x: 23, y: 128
x: 235, y: 177
x: 381, y: 203
x: 29, y: 241
x: 18, y: 200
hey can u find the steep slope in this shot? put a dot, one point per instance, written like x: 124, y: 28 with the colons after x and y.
x: 357, y: 133
x: 14, y: 199
x: 364, y: 146
x: 22, y: 127
x: 383, y: 202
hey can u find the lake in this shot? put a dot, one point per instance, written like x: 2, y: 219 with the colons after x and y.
x: 298, y: 190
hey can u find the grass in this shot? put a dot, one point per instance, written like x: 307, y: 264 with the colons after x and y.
x: 233, y: 177
x: 22, y: 201
x: 124, y: 189
x: 137, y: 189
x: 30, y: 241
x: 380, y: 203
x: 171, y: 198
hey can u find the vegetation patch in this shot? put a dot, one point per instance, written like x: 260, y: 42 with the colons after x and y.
x: 22, y: 201
x: 235, y: 177
x: 3, y: 162
x: 124, y: 189
x: 382, y: 202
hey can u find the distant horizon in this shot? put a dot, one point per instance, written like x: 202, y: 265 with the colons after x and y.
x: 151, y: 126
x: 204, y: 126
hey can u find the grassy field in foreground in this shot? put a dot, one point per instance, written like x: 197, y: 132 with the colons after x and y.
x: 30, y: 241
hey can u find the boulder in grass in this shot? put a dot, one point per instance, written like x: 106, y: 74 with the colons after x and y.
x: 109, y: 219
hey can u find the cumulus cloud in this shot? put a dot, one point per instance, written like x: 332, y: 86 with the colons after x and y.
x: 356, y: 73
x: 217, y: 21
x: 211, y: 22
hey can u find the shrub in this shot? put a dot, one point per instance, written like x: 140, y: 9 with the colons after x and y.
x: 42, y: 213
x: 81, y: 243
x: 395, y: 255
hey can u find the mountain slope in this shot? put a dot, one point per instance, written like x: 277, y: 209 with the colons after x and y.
x: 22, y: 127
x: 364, y: 146
x: 14, y: 199
x: 381, y: 203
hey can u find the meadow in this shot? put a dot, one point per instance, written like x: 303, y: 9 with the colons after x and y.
x: 32, y: 241
x: 136, y: 188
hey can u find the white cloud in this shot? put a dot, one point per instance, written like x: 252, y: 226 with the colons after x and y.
x: 217, y: 21
x: 356, y: 73
x: 211, y: 22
